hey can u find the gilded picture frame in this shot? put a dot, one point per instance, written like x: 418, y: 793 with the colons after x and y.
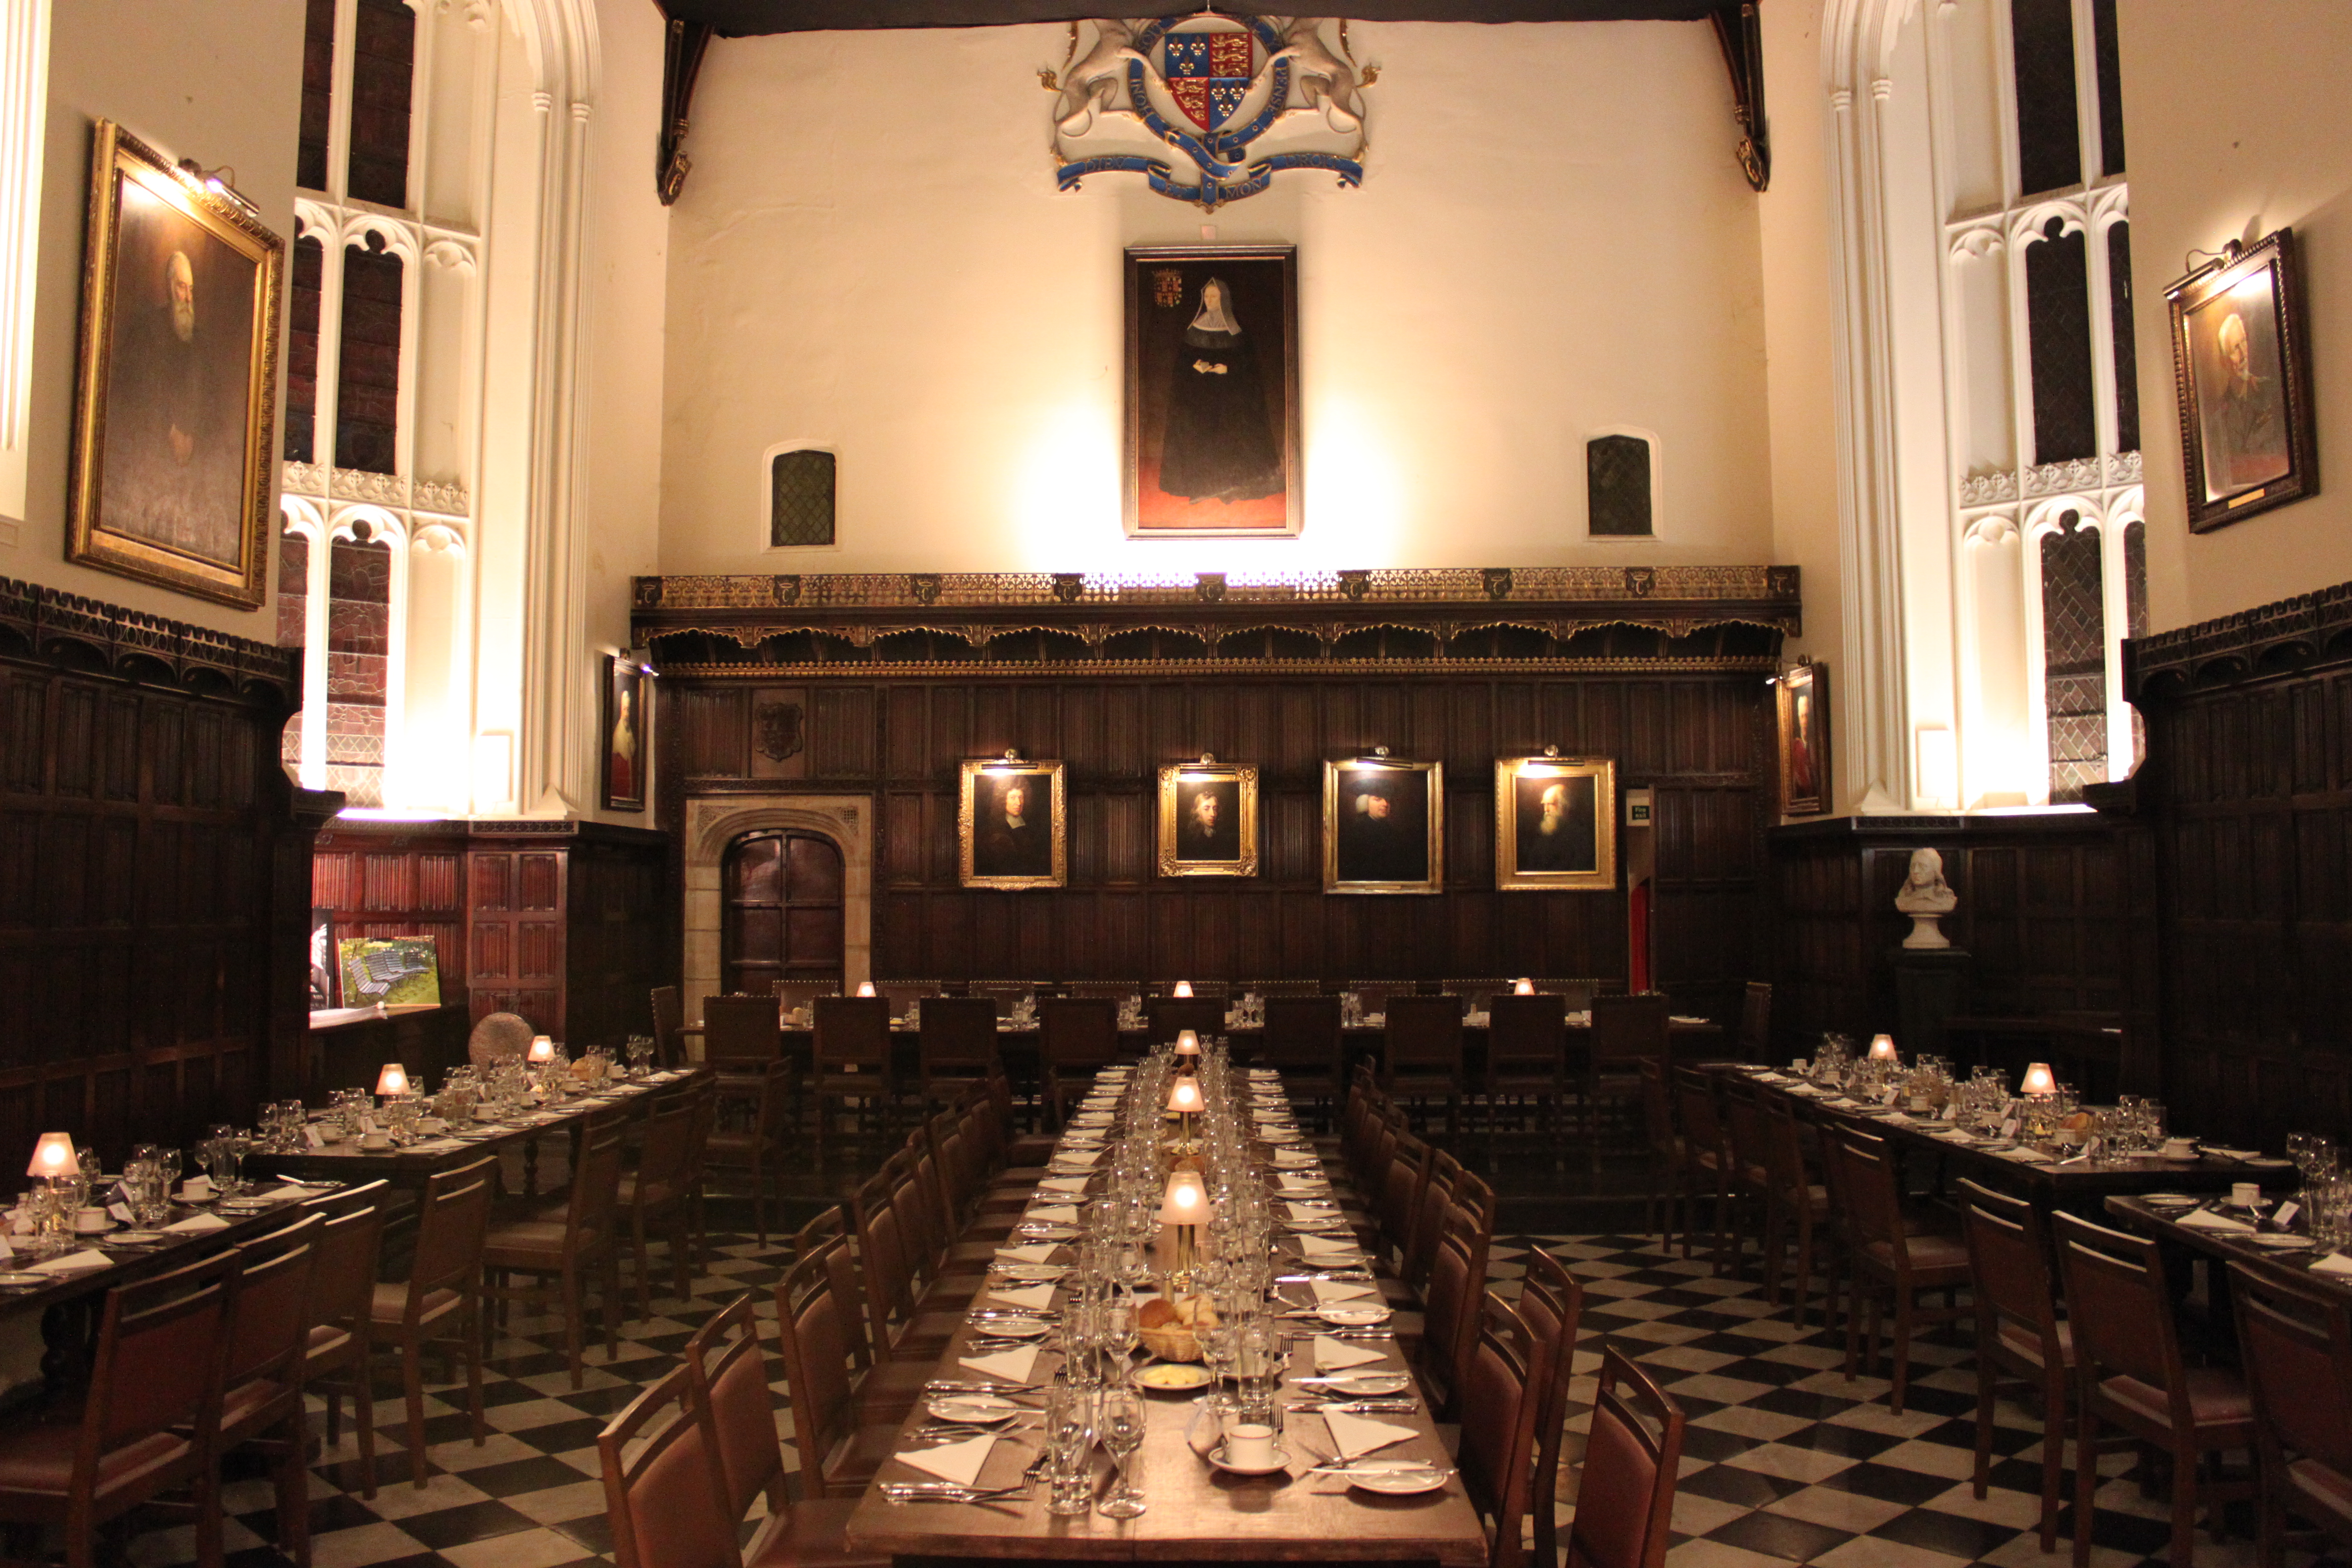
x: 1801, y: 700
x: 623, y: 734
x: 2242, y: 375
x: 998, y: 843
x: 175, y: 411
x: 1555, y: 824
x: 1208, y: 819
x: 1383, y: 826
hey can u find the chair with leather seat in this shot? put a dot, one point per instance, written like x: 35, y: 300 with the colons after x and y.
x: 1077, y: 1036
x: 1633, y: 1459
x: 662, y: 1486
x: 2130, y: 1374
x: 740, y: 1032
x: 1421, y: 1052
x: 1799, y: 1213
x: 1506, y: 1371
x: 1626, y: 1032
x: 1747, y: 1169
x: 261, y: 1385
x: 561, y: 1255
x: 1165, y: 1017
x: 748, y: 1133
x: 2018, y: 1330
x: 1527, y: 1056
x: 1449, y: 1320
x: 343, y: 1262
x: 1551, y: 1303
x: 440, y: 1300
x: 1707, y: 1158
x: 1756, y: 1022
x: 669, y: 1027
x: 142, y: 1425
x: 956, y: 1041
x: 1668, y: 1178
x: 851, y: 1067
x: 1303, y: 1040
x: 656, y: 1200
x: 2297, y: 1342
x: 1892, y: 1262
x: 839, y: 1449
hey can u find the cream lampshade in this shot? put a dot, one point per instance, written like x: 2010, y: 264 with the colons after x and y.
x: 866, y: 988
x: 1186, y: 1201
x: 1882, y: 1048
x: 53, y: 1157
x: 1184, y: 990
x: 542, y: 1050
x: 1524, y: 988
x: 393, y: 1081
x: 1185, y: 1097
x: 2039, y: 1083
x: 1188, y: 1043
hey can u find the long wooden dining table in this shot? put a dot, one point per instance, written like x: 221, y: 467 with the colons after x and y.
x: 1195, y: 1513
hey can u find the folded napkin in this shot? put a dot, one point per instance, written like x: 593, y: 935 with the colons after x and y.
x: 1059, y: 1214
x: 958, y: 1463
x: 1683, y: 1018
x: 1296, y: 1159
x: 1355, y: 1435
x: 198, y: 1222
x: 291, y: 1192
x: 1077, y: 1156
x: 1339, y: 1355
x: 1027, y: 1252
x: 73, y: 1263
x: 1305, y: 1186
x: 1330, y: 1292
x: 2334, y: 1263
x: 1957, y: 1135
x: 2024, y: 1154
x: 436, y: 1146
x: 2206, y: 1219
x: 1035, y: 1296
x: 2221, y: 1153
x: 1325, y: 1249
x: 1065, y: 1183
x: 1015, y: 1367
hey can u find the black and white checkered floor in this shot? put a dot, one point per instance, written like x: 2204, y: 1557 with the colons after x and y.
x: 1786, y: 1460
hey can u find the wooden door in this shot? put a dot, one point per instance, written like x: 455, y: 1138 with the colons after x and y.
x: 782, y: 923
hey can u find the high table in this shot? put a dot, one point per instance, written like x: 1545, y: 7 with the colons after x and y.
x: 1196, y: 1513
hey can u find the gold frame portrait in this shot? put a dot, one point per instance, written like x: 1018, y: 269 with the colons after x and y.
x: 1512, y: 878
x: 1430, y: 779
x: 975, y: 769
x: 1812, y: 679
x: 1172, y: 862
x: 2248, y: 439
x: 148, y: 216
x: 624, y: 675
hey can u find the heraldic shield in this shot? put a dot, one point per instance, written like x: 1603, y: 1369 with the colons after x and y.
x: 1208, y: 74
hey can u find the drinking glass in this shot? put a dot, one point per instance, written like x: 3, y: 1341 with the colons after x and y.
x: 640, y: 1051
x: 1120, y: 1417
x: 1069, y: 1448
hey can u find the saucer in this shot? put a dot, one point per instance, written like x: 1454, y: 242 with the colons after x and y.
x: 1216, y: 1457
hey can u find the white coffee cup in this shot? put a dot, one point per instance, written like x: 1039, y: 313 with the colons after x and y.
x: 2180, y: 1148
x: 196, y: 1189
x: 90, y: 1222
x: 376, y: 1140
x: 2245, y: 1195
x: 431, y: 1124
x: 485, y: 1113
x: 1249, y: 1445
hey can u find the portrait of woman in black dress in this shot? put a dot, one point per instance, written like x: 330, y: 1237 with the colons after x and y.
x: 1212, y: 419
x: 1219, y: 444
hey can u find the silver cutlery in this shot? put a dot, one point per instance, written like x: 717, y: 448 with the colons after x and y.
x: 924, y: 1491
x: 1358, y: 1406
x: 1351, y: 1467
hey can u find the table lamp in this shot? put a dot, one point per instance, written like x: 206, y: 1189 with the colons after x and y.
x: 866, y: 988
x: 1882, y: 1048
x: 1183, y: 991
x: 1188, y: 1046
x: 1184, y: 1100
x: 392, y: 1082
x: 1184, y: 1206
x: 2039, y: 1084
x: 542, y: 1050
x: 1524, y: 988
x: 53, y: 1157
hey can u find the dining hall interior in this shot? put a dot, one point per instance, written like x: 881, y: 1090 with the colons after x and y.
x: 1503, y: 782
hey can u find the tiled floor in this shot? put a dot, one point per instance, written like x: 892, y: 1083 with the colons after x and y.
x: 1786, y: 1460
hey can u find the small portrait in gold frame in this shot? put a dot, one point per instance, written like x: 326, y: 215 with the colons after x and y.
x: 1010, y: 824
x: 1804, y: 731
x: 1383, y: 826
x: 1208, y: 819
x: 1555, y: 824
x: 172, y: 444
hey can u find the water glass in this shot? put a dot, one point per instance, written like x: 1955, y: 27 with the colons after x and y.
x: 1069, y: 1448
x: 1120, y: 1415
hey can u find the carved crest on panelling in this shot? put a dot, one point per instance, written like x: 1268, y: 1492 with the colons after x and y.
x: 646, y: 593
x: 1069, y: 586
x: 780, y: 730
x: 1355, y: 584
x: 1641, y: 581
x: 1210, y: 586
x: 1497, y: 581
x: 924, y: 586
x: 786, y: 589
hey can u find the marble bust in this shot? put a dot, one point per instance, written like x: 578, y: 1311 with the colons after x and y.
x: 1927, y: 899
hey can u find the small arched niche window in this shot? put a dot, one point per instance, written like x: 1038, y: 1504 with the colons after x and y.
x: 1617, y: 486
x: 800, y: 498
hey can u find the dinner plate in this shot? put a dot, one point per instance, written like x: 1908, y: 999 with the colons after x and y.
x: 1014, y: 1328
x: 138, y: 1238
x: 20, y: 1280
x: 1032, y: 1271
x: 1049, y: 1230
x: 973, y: 1409
x: 2274, y: 1241
x: 2169, y: 1200
x: 1216, y: 1457
x: 1173, y: 1377
x: 1343, y: 1316
x: 1365, y: 1384
x: 1394, y: 1478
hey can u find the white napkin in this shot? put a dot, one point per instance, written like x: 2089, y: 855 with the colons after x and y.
x: 1305, y: 1186
x: 1301, y: 1214
x: 1324, y: 1248
x: 293, y: 1191
x: 1328, y: 1292
x: 436, y: 1146
x: 2334, y: 1263
x: 1957, y: 1135
x: 1060, y: 1214
x: 1085, y: 1158
x: 2024, y: 1155
x: 1038, y: 1296
x: 197, y: 1222
x: 2240, y: 1155
x: 958, y: 1463
x: 1029, y: 1252
x: 73, y: 1263
x: 2205, y: 1219
x: 1356, y: 1435
x: 1012, y: 1365
x: 1339, y: 1355
x: 1296, y: 1159
x: 1065, y: 1183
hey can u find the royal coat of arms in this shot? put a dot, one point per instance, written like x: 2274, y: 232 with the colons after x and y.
x: 1209, y: 108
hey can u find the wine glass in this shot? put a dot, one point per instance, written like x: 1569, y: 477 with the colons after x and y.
x: 1119, y: 1418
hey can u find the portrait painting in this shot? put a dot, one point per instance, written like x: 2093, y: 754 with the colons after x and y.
x: 1208, y: 820
x: 1555, y: 824
x: 2241, y: 368
x: 1211, y: 442
x: 1383, y: 826
x: 1010, y: 824
x: 1802, y: 698
x: 623, y: 734
x: 174, y: 419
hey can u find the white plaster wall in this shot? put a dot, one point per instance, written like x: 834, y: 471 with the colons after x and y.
x: 2233, y: 132
x: 222, y: 84
x: 1553, y: 238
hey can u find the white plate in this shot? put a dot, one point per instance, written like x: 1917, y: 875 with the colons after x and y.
x: 1395, y: 1477
x: 1173, y: 1377
x: 973, y: 1409
x: 1013, y: 1327
x: 1365, y: 1384
x: 2273, y: 1242
x: 139, y: 1238
x: 1216, y: 1457
x: 1049, y: 1230
x: 1036, y: 1272
x: 1350, y: 1317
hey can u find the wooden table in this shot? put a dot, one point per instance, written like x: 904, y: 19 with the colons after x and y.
x: 2080, y: 1187
x: 1195, y: 1513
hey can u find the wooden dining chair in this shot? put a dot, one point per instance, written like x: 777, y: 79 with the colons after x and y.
x: 1748, y: 1174
x: 440, y: 1303
x: 2296, y: 1341
x: 1449, y: 1318
x: 1551, y: 1303
x: 1669, y: 1178
x: 1422, y: 1052
x: 1626, y: 1032
x: 669, y: 1027
x: 1527, y: 1056
x: 663, y: 1492
x: 1892, y: 1262
x: 839, y: 1451
x: 1756, y: 1022
x: 261, y: 1408
x: 1303, y: 1041
x: 2130, y: 1374
x: 740, y: 1032
x: 1707, y: 1158
x: 344, y: 1260
x: 1799, y: 1215
x: 748, y: 1136
x: 141, y: 1427
x: 1077, y: 1036
x: 561, y: 1257
x: 656, y: 1201
x: 1506, y: 1371
x: 1165, y: 1017
x: 1632, y: 1456
x: 2018, y: 1330
x: 850, y: 1061
x: 957, y: 1046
